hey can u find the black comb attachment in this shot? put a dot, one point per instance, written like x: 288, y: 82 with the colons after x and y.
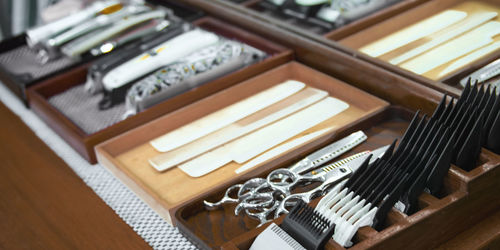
x: 474, y: 121
x: 308, y: 227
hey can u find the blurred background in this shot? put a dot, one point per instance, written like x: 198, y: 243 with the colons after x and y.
x: 18, y: 15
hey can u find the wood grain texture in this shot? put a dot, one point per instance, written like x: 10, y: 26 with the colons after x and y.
x: 44, y: 205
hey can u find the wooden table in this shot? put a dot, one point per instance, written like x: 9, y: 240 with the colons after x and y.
x: 44, y: 204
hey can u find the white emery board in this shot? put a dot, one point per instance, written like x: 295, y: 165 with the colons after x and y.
x: 413, y: 32
x: 226, y: 116
x: 477, y: 38
x: 445, y: 35
x: 253, y: 144
x: 242, y: 127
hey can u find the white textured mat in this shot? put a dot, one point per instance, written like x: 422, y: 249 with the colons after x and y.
x: 147, y: 223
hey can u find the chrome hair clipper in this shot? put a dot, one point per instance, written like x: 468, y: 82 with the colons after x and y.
x: 36, y: 35
x: 198, y: 68
x: 105, y: 64
x: 116, y: 80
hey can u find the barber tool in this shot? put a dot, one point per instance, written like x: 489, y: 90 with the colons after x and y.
x: 477, y: 114
x: 194, y: 70
x: 225, y: 116
x: 484, y: 74
x: 105, y: 64
x: 36, y: 35
x: 275, y: 238
x: 256, y: 202
x: 437, y: 38
x: 451, y: 50
x: 95, y: 23
x: 239, y: 128
x: 303, y: 228
x: 50, y: 48
x: 340, y: 12
x: 310, y: 162
x: 260, y: 198
x: 454, y: 134
x: 147, y: 30
x: 251, y: 145
x: 79, y: 46
x: 414, y: 32
x: 470, y: 58
x: 117, y: 80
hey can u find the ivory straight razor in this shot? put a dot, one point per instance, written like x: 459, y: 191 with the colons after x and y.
x: 226, y: 116
x: 443, y: 36
x: 456, y: 48
x: 244, y: 126
x: 413, y: 32
x: 265, y: 138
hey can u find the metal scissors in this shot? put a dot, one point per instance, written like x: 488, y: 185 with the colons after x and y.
x: 329, y: 176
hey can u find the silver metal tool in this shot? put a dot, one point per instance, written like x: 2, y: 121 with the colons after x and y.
x: 483, y: 74
x: 36, y: 35
x: 198, y: 68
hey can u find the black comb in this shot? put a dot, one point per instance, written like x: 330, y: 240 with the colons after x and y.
x: 308, y: 227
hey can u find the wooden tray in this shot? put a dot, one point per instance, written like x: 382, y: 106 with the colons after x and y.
x: 84, y: 143
x: 127, y: 155
x: 338, y: 33
x: 414, y: 15
x: 445, y: 216
x: 19, y: 83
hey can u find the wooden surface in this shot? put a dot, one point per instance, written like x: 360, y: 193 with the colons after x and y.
x: 44, y: 205
x: 128, y: 154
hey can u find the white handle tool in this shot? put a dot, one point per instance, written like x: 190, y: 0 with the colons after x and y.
x: 225, y: 116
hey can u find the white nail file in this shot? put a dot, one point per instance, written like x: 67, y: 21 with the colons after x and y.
x: 226, y: 116
x: 470, y: 58
x: 264, y: 138
x: 413, y: 32
x: 163, y: 54
x: 244, y: 126
x: 442, y: 36
x: 458, y: 47
x: 280, y: 150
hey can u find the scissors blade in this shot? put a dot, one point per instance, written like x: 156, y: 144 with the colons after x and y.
x: 329, y: 152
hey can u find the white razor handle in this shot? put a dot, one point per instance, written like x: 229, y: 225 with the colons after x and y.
x: 98, y: 22
x: 75, y: 50
x: 36, y: 35
x: 161, y: 55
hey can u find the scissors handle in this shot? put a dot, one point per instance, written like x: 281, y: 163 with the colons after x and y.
x: 226, y: 199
